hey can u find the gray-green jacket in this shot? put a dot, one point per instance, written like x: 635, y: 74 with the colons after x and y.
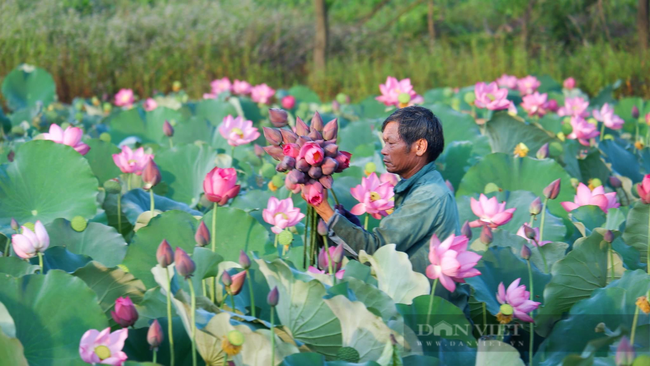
x: 424, y: 206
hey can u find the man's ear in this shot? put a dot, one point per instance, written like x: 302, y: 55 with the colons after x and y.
x: 421, y: 146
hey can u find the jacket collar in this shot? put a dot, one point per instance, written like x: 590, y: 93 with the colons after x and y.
x: 405, y: 184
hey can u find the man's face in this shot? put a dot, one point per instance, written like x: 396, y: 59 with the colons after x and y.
x: 397, y: 157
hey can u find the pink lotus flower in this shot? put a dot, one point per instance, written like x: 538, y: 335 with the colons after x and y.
x: 575, y: 107
x: 71, y: 137
x: 643, y: 189
x: 336, y: 253
x: 281, y: 214
x: 450, y: 261
x: 238, y: 131
x: 535, y: 104
x: 150, y: 104
x: 241, y: 87
x: 103, y: 347
x: 209, y: 96
x: 124, y: 98
x: 569, y: 83
x: 220, y: 185
x: 528, y: 85
x: 292, y: 150
x: 288, y: 102
x: 125, y: 313
x: 517, y: 297
x: 584, y: 196
x: 391, y: 91
x: 583, y: 131
x: 490, y: 96
x: 521, y: 233
x: 389, y: 178
x: 29, y: 243
x: 607, y: 116
x: 220, y: 85
x: 262, y: 94
x: 375, y: 198
x: 507, y: 81
x: 313, y: 193
x: 312, y: 153
x: 130, y: 161
x: 490, y: 212
x: 339, y: 274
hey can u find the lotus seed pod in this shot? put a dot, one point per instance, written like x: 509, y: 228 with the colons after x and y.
x: 278, y: 180
x: 105, y: 136
x: 78, y: 224
x: 285, y: 237
x: 469, y: 97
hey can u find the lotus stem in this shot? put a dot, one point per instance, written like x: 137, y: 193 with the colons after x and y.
x: 365, y: 223
x: 636, y: 318
x: 273, y: 335
x: 214, y: 248
x: 275, y: 242
x: 193, y: 305
x: 40, y: 261
x: 7, y: 248
x: 647, y: 261
x: 128, y: 182
x: 602, y: 131
x: 232, y: 303
x: 532, y: 324
x: 304, y: 241
x: 636, y: 137
x: 225, y: 360
x: 501, y: 334
x: 155, y: 351
x: 541, y: 234
x: 314, y: 250
x: 334, y: 196
x: 152, y: 202
x: 329, y: 260
x: 250, y: 288
x: 484, y: 315
x: 433, y: 291
x: 169, y: 318
x: 232, y: 153
x: 171, y: 144
x: 611, y: 258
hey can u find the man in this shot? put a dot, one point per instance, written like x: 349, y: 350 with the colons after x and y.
x: 424, y: 205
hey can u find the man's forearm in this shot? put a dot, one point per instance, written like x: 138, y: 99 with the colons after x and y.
x: 324, y: 210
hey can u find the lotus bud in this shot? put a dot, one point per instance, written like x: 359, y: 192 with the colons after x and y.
x: 155, y: 335
x: 567, y: 128
x: 288, y: 102
x: 125, y: 313
x: 552, y: 190
x: 287, y: 163
x: 609, y: 236
x: 344, y: 160
x: 296, y: 177
x: 466, y: 230
x: 150, y: 175
x: 635, y: 112
x: 164, y: 254
x: 535, y: 207
x: 315, y: 135
x: 329, y: 166
x: 202, y: 236
x: 542, y: 153
x: 184, y: 264
x: 303, y: 140
x: 336, y: 106
x: 226, y: 279
x: 303, y: 165
x: 316, y: 123
x: 14, y: 224
x: 274, y: 151
x: 326, y: 181
x: 331, y: 129
x: 11, y: 156
x: 450, y: 186
x: 647, y: 119
x: 331, y: 150
x: 288, y: 136
x: 529, y: 232
x: 315, y: 172
x: 278, y: 117
x: 525, y: 252
x: 272, y: 135
x: 301, y: 128
x: 244, y: 260
x: 168, y: 130
x: 337, y: 255
x: 486, y: 235
x: 237, y: 283
x: 615, y: 182
x: 259, y: 151
x: 292, y: 150
x: 625, y: 353
x: 273, y: 297
x: 321, y: 228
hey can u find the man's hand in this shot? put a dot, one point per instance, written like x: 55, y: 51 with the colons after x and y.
x: 324, y: 210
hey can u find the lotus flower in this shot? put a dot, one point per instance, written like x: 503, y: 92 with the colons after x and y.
x: 507, y: 81
x: 124, y: 98
x: 220, y: 185
x: 312, y: 153
x: 575, y: 107
x: 643, y: 189
x: 389, y: 178
x: 517, y: 297
x: 339, y: 273
x: 130, y: 161
x: 262, y: 93
x: 569, y: 83
x: 241, y: 87
x: 450, y: 261
x: 29, y: 243
x: 288, y: 102
x: 490, y: 96
x: 535, y: 104
x: 521, y: 232
x: 625, y: 354
x: 490, y: 212
x: 393, y: 88
x: 597, y: 197
x: 281, y: 214
x: 528, y: 85
x: 220, y: 85
x: 103, y: 347
x: 607, y: 116
x: 583, y: 131
x: 125, y: 313
x: 238, y: 131
x: 336, y: 253
x: 375, y: 198
x: 71, y: 137
x: 313, y: 192
x: 150, y: 104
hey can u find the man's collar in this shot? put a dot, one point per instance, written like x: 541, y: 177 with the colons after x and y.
x: 405, y: 184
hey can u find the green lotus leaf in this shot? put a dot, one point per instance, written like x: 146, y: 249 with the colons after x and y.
x: 587, y: 218
x: 637, y: 230
x: 32, y: 187
x: 183, y: 169
x: 621, y: 159
x: 315, y: 359
x: 100, y: 159
x: 190, y: 131
x: 357, y: 133
x: 214, y: 111
x: 250, y: 109
x: 592, y: 167
x: 136, y: 346
x: 11, y: 351
x: 137, y: 201
x: 615, y: 218
x: 304, y: 94
x: 457, y: 159
x: 58, y: 257
x: 369, y: 108
x: 458, y: 126
x: 493, y: 352
x: 26, y: 85
x: 16, y: 267
x: 505, y: 132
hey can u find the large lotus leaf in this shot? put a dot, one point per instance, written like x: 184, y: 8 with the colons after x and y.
x: 58, y: 257
x: 100, y: 242
x: 137, y: 201
x: 512, y: 173
x: 621, y: 159
x: 613, y: 305
x: 214, y: 111
x: 7, y: 325
x: 136, y: 346
x: 357, y: 133
x: 551, y: 122
x: 361, y: 329
x: 592, y: 167
x: 575, y: 277
x: 51, y: 313
x: 457, y: 159
x: 505, y: 133
x: 110, y: 283
x: 183, y: 169
x: 616, y: 217
x: 301, y: 308
x: 192, y: 130
x: 127, y: 123
x: 587, y: 218
x: 354, y: 269
x: 501, y: 265
x: 154, y: 121
x: 250, y: 109
x: 110, y: 210
x: 374, y: 299
x: 16, y: 267
x: 395, y: 274
x: 457, y: 126
x: 100, y: 158
x: 493, y: 352
x: 637, y: 230
x: 315, y: 359
x: 304, y: 94
x: 176, y: 226
x: 26, y: 85
x: 11, y: 351
x: 44, y: 182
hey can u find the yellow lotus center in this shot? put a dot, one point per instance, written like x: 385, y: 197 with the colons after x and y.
x: 374, y: 196
x: 238, y: 132
x: 403, y: 105
x: 283, y: 215
x: 506, y: 309
x: 317, y: 156
x: 132, y: 161
x: 102, y: 352
x: 491, y: 96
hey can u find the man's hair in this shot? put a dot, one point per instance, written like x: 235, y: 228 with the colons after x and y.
x: 419, y: 123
